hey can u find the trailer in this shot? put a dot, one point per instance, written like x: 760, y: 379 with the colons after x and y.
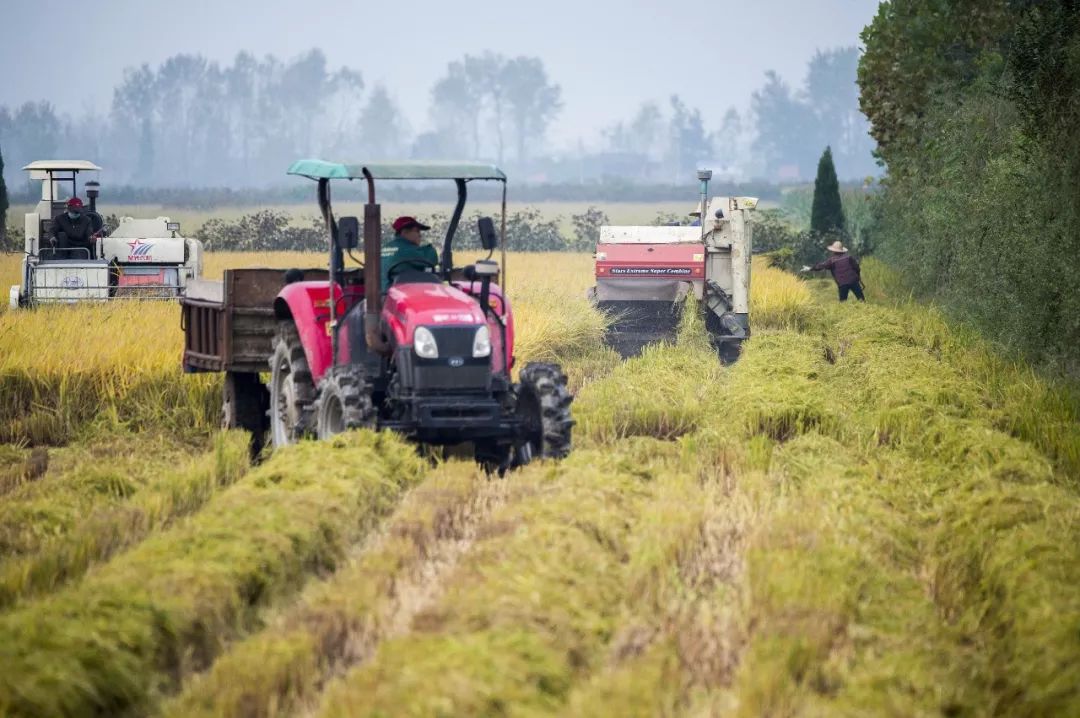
x: 229, y: 327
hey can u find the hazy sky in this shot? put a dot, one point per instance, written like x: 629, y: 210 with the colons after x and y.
x: 608, y: 55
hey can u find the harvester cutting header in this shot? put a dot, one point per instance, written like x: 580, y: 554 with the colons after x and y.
x: 644, y: 275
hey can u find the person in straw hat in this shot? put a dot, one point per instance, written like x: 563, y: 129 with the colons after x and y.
x: 845, y: 271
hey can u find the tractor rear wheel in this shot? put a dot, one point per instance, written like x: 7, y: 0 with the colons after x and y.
x: 344, y: 402
x: 543, y: 405
x: 292, y: 393
x: 245, y: 400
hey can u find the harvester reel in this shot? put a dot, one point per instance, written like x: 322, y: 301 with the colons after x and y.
x: 543, y: 404
x: 344, y: 402
x: 292, y: 393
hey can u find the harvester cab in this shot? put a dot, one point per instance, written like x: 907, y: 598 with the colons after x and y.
x: 140, y: 258
x: 430, y: 358
x: 645, y: 274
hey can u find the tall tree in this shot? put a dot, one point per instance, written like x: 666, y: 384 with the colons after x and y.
x: 781, y: 124
x: 690, y: 143
x: 456, y: 101
x: 827, y: 212
x: 383, y: 129
x: 533, y: 101
x: 3, y: 203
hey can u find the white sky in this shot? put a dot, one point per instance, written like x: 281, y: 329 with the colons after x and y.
x: 608, y: 55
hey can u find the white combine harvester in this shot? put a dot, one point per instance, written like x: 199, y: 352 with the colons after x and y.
x: 141, y: 258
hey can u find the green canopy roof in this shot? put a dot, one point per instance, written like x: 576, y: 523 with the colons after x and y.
x: 409, y: 170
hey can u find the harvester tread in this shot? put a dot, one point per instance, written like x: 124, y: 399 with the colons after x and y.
x: 350, y: 388
x: 542, y: 389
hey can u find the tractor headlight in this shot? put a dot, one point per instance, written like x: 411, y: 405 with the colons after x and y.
x: 481, y: 345
x: 424, y: 343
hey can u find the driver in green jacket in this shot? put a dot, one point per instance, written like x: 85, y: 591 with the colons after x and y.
x: 407, y: 244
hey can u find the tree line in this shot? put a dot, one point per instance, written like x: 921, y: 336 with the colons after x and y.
x: 973, y: 104
x: 193, y: 122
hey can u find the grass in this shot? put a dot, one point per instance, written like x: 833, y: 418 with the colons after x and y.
x: 871, y: 512
x: 102, y: 498
x: 134, y: 629
x: 334, y: 623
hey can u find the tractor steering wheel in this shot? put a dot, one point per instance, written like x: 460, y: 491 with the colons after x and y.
x: 395, y: 267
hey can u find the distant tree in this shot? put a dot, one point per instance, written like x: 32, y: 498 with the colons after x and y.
x: 646, y: 129
x: 382, y: 127
x: 456, y: 106
x: 827, y: 213
x: 781, y: 126
x: 689, y: 141
x: 532, y: 101
x: 3, y: 203
x: 33, y: 133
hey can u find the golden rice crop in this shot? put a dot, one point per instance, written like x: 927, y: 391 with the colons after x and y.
x: 871, y: 512
x: 778, y: 300
x: 101, y: 498
x: 337, y: 622
x: 112, y: 643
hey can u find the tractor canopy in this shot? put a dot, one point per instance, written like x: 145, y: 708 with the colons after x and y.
x: 403, y: 170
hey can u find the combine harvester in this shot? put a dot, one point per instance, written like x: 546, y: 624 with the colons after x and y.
x: 644, y: 275
x: 431, y: 358
x: 141, y: 258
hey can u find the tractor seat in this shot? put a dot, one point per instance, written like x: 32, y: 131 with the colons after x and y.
x: 416, y: 276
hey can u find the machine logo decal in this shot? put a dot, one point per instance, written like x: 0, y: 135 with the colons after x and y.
x: 140, y: 251
x: 455, y: 361
x: 652, y: 271
x: 73, y: 281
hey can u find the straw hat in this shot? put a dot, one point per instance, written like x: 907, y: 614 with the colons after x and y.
x: 836, y: 247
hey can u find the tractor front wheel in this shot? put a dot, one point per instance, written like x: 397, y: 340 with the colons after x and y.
x: 292, y: 393
x: 543, y: 405
x: 344, y: 402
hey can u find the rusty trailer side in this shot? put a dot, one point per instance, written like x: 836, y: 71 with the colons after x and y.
x: 229, y: 324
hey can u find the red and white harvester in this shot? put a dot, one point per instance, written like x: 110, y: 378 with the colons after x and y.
x: 645, y: 274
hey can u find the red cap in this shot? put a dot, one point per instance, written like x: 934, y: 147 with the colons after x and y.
x: 405, y: 222
x: 75, y: 202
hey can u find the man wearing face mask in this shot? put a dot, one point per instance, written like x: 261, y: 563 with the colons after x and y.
x: 73, y: 230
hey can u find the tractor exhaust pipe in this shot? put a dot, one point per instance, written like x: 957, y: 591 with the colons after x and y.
x: 93, y: 188
x: 373, y: 278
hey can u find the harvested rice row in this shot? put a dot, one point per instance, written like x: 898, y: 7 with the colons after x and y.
x: 338, y: 623
x: 922, y: 550
x: 544, y: 596
x: 114, y: 467
x: 131, y: 631
x: 102, y: 503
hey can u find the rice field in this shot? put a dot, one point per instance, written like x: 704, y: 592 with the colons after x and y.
x: 870, y: 513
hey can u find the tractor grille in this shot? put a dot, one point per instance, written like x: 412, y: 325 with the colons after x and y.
x: 454, y: 371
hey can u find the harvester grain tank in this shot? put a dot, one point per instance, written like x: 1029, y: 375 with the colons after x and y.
x: 140, y: 258
x: 644, y: 276
x: 430, y: 357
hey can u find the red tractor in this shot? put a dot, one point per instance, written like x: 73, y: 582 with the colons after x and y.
x: 430, y: 358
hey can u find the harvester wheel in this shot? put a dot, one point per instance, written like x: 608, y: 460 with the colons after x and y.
x: 344, y: 402
x: 292, y: 393
x: 244, y: 403
x: 543, y: 404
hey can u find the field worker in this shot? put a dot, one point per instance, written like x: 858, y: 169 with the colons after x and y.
x: 407, y: 244
x: 73, y: 229
x: 845, y: 271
